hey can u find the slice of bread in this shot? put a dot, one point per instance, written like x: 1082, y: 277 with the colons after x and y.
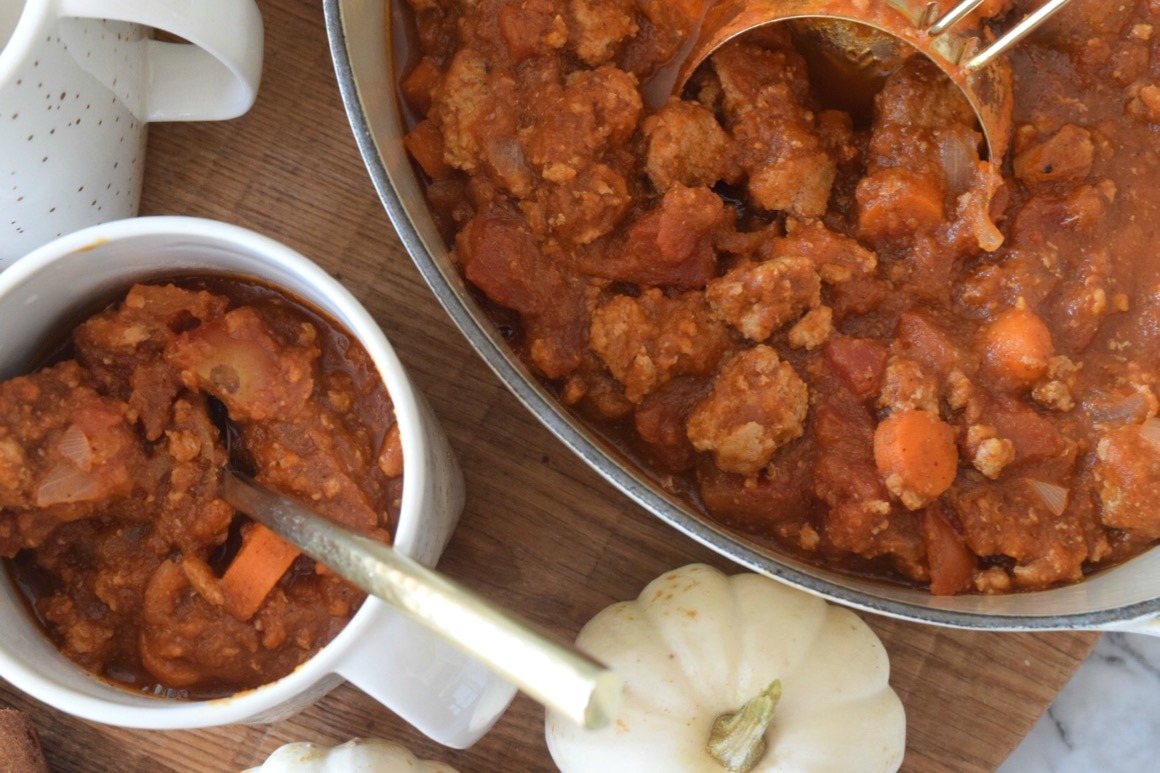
x: 20, y: 750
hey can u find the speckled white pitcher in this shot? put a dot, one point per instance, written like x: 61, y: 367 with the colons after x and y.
x: 79, y: 79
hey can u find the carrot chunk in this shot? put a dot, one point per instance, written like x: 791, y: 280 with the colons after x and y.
x: 1018, y: 346
x: 916, y: 455
x: 255, y: 570
x: 897, y: 203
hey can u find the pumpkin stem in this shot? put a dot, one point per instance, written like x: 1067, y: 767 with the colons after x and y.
x: 737, y: 740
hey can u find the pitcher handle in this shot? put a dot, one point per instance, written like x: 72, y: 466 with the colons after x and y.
x: 213, y: 77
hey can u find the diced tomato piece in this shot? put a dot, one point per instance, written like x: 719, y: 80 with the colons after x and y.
x: 858, y: 363
x: 952, y: 564
x: 425, y: 143
x: 922, y: 338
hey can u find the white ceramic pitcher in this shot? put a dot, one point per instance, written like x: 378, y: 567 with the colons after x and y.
x: 80, y: 79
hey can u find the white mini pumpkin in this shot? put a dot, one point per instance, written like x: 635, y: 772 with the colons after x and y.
x: 361, y: 755
x: 698, y: 645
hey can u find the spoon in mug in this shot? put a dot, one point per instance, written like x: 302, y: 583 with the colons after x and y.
x: 558, y: 677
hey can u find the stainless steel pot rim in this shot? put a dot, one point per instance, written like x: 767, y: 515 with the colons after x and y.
x: 450, y: 292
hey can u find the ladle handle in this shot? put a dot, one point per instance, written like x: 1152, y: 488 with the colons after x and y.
x: 1008, y: 39
x: 559, y: 678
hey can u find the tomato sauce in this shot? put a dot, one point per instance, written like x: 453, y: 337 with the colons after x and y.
x: 110, y: 464
x: 857, y: 341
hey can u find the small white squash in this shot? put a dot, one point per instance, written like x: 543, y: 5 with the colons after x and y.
x: 361, y: 755
x: 697, y: 646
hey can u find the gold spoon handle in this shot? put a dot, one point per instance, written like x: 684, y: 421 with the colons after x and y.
x: 561, y: 679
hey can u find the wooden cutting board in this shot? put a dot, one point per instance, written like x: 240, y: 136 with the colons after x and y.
x: 541, y: 534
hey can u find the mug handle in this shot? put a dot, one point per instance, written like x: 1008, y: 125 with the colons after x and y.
x: 213, y: 77
x: 447, y: 695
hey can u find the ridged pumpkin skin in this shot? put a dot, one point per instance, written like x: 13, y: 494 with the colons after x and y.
x: 361, y: 755
x: 697, y: 644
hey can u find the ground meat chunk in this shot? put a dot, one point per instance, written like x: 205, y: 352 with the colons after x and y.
x: 813, y: 329
x: 958, y: 390
x: 836, y: 130
x: 758, y: 404
x: 743, y: 69
x: 907, y: 386
x: 1127, y: 470
x: 974, y: 223
x: 584, y: 206
x: 582, y: 193
x: 595, y: 111
x: 242, y: 362
x: 758, y: 299
x: 988, y: 452
x: 1065, y: 156
x: 149, y: 318
x: 476, y: 110
x: 838, y: 258
x: 597, y: 28
x: 786, y: 174
x: 778, y: 148
x: 671, y: 245
x: 120, y: 347
x: 915, y: 100
x: 65, y: 452
x: 1046, y: 548
x: 686, y: 145
x: 1054, y: 391
x: 1144, y: 104
x: 649, y: 340
x: 190, y: 514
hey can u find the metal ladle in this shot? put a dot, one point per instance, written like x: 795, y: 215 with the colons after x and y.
x: 866, y: 40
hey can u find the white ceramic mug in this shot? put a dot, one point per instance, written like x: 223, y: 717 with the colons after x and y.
x: 80, y: 79
x: 427, y: 682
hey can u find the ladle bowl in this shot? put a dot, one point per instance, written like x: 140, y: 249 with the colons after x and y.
x: 860, y: 42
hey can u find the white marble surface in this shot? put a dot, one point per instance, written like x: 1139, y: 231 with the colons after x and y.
x: 1106, y: 719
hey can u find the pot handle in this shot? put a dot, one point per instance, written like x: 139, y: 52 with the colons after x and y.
x: 213, y: 77
x: 1149, y: 626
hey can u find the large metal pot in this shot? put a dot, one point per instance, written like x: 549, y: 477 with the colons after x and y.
x: 1123, y: 598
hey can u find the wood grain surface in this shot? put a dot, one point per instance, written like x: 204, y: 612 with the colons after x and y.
x: 541, y: 534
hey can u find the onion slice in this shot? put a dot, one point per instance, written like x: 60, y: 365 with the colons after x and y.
x: 1150, y: 431
x: 958, y: 152
x: 1126, y: 409
x: 1053, y: 497
x: 65, y: 483
x: 74, y: 445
